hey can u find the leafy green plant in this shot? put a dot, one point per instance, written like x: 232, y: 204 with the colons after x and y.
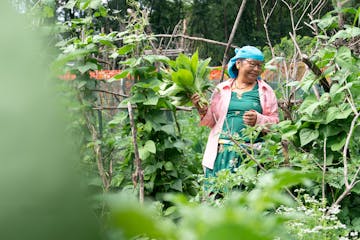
x: 188, y: 75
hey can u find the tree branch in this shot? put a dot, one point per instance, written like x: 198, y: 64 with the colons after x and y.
x: 192, y: 38
x: 109, y: 92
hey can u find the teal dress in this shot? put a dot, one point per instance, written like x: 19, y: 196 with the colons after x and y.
x: 226, y: 158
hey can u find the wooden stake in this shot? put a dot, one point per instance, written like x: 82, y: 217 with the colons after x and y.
x: 237, y: 20
x: 138, y: 175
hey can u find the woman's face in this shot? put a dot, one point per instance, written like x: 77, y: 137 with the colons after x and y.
x: 249, y: 69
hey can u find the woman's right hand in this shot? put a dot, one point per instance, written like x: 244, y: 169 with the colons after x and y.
x: 195, y: 98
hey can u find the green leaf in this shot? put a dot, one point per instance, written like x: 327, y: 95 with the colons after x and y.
x: 329, y: 130
x: 170, y: 210
x: 331, y: 114
x: 156, y: 58
x: 177, y: 185
x: 81, y: 84
x: 307, y: 135
x: 119, y: 76
x: 169, y: 129
x: 183, y: 62
x: 88, y: 66
x: 70, y: 4
x: 344, y: 59
x: 151, y: 100
x: 143, y: 153
x: 194, y: 62
x: 309, y: 105
x: 95, y: 4
x: 327, y: 22
x: 339, y: 144
x: 349, y: 32
x: 344, y: 111
x: 150, y: 146
x: 185, y: 78
x: 203, y: 69
x: 137, y: 98
x: 169, y: 166
x: 126, y: 49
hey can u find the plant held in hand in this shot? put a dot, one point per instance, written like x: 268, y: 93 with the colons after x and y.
x: 187, y: 76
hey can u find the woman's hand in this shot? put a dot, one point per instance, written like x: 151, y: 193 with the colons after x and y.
x: 250, y: 117
x: 195, y: 100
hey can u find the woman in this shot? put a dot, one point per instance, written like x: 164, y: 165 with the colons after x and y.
x: 242, y: 100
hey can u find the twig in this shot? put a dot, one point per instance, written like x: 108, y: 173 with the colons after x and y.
x: 134, y: 107
x: 193, y: 38
x: 102, y: 61
x: 324, y: 170
x: 348, y: 186
x: 138, y: 175
x: 302, y: 15
x: 106, y: 91
x: 346, y: 146
x: 266, y: 19
x: 232, y: 34
x: 173, y: 33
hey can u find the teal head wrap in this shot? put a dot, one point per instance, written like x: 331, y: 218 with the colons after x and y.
x: 244, y: 52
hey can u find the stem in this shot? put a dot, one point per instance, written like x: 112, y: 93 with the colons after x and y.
x: 324, y: 170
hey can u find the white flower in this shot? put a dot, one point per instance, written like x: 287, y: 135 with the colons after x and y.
x: 353, y: 234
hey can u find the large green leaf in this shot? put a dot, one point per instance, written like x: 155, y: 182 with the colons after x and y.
x: 307, y: 135
x: 151, y: 99
x: 143, y: 153
x: 186, y: 78
x: 126, y: 49
x: 169, y: 129
x: 183, y: 62
x: 194, y: 62
x: 338, y: 145
x: 177, y: 185
x: 309, y: 105
x: 349, y: 32
x: 150, y: 146
x: 344, y: 59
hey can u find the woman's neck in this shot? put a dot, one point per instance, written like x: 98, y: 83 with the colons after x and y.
x: 239, y: 83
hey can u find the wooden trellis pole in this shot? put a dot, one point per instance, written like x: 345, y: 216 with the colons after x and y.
x: 237, y: 20
x: 138, y: 175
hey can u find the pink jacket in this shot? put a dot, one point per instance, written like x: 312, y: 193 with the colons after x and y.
x: 215, y: 116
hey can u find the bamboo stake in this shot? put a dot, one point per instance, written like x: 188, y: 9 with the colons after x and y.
x: 237, y: 20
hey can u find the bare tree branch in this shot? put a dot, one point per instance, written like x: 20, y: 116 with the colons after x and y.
x: 266, y: 19
x: 193, y: 38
